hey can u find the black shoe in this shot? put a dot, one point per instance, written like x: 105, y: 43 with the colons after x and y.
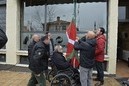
x: 96, y: 79
x: 101, y: 83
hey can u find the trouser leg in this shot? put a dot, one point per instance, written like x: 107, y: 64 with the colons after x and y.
x: 41, y: 79
x: 89, y: 80
x: 100, y: 71
x: 32, y: 81
x: 84, y: 76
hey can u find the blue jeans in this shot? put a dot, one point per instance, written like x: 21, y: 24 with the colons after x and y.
x: 86, y: 76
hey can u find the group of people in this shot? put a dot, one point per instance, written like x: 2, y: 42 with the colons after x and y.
x: 91, y: 47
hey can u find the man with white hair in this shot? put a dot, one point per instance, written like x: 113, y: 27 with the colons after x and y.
x: 35, y: 39
x: 61, y: 63
x: 87, y: 60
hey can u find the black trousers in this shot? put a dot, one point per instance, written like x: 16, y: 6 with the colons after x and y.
x: 100, y: 70
x: 33, y: 81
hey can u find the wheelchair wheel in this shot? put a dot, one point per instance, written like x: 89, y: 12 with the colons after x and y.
x: 61, y: 80
x: 51, y: 75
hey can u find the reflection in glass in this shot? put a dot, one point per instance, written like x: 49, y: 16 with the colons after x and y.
x: 89, y: 16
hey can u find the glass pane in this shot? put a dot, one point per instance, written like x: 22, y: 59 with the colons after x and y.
x: 24, y: 60
x: 33, y: 19
x: 2, y: 58
x: 3, y: 19
x: 122, y: 12
x: 89, y: 16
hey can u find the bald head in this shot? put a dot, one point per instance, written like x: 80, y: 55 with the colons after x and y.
x: 90, y: 35
x: 36, y: 37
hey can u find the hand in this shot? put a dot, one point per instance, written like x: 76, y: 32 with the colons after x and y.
x: 37, y: 74
x: 77, y: 38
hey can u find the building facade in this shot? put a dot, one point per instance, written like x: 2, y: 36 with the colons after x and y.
x: 14, y: 23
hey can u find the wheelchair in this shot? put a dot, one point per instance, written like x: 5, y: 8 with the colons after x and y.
x: 65, y: 77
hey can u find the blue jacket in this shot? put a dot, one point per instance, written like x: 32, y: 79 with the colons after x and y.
x: 87, y: 52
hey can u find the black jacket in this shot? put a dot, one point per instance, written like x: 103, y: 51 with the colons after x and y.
x: 59, y: 61
x: 30, y: 48
x: 87, y: 52
x: 39, y: 58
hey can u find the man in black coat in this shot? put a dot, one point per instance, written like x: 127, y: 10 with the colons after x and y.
x: 39, y: 60
x: 35, y: 39
x: 87, y: 60
x: 58, y: 59
x: 62, y: 64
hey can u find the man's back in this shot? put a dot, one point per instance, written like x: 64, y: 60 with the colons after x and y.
x: 87, y: 52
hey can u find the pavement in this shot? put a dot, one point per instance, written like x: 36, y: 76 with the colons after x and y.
x: 19, y: 76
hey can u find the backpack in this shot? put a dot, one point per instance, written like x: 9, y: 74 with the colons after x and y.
x: 3, y: 38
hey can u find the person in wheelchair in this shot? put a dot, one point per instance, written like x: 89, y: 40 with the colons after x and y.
x: 62, y: 64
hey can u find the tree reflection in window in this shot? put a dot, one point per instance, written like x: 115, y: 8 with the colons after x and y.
x: 59, y: 17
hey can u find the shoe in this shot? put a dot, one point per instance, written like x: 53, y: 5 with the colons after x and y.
x: 96, y: 79
x: 101, y: 83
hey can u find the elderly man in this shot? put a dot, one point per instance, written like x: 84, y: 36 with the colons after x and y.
x: 35, y: 39
x: 87, y: 60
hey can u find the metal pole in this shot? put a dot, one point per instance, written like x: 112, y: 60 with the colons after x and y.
x: 45, y: 22
x: 74, y: 1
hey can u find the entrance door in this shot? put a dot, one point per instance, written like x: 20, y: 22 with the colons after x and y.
x: 123, y: 43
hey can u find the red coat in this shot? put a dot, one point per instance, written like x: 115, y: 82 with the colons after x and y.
x: 100, y: 48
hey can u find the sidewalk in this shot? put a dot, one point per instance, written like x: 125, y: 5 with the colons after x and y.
x: 19, y: 76
x: 9, y: 78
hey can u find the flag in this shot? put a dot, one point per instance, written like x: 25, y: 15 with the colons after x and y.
x: 71, y: 33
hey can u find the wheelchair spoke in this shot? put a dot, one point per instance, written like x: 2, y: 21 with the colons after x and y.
x: 61, y: 80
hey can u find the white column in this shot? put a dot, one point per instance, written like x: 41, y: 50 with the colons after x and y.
x: 12, y: 30
x: 112, y: 35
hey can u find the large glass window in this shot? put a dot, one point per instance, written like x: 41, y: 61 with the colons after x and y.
x: 56, y: 17
x: 3, y: 18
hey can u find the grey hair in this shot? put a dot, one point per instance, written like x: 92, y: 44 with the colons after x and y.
x: 58, y: 48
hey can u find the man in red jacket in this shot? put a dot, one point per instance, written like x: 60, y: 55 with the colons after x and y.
x: 99, y: 54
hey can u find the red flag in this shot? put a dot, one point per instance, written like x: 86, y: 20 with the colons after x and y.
x: 71, y: 33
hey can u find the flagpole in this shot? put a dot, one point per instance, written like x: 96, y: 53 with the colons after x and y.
x: 74, y: 13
